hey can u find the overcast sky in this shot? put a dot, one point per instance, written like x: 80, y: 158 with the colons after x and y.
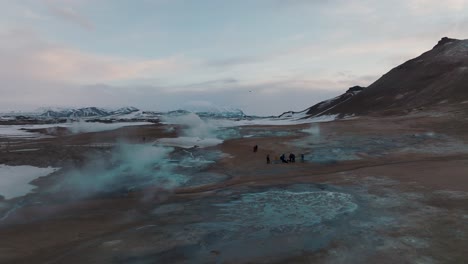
x: 263, y: 56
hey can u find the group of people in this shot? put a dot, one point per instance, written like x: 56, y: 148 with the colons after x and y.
x: 282, y: 158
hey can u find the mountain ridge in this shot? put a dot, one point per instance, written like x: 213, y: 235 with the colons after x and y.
x: 436, y: 78
x: 88, y: 112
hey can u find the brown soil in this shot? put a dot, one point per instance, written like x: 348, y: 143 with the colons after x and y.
x: 97, y: 229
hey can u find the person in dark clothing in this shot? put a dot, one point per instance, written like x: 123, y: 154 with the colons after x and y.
x: 283, y: 159
x: 268, y: 158
x: 292, y: 158
x: 302, y: 158
x: 255, y: 148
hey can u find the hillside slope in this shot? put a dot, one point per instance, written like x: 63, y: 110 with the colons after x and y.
x: 438, y: 77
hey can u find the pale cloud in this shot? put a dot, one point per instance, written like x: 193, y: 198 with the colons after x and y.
x: 424, y: 7
x: 24, y: 55
x: 408, y: 45
x: 71, y: 15
x: 287, y: 56
x: 77, y: 66
x: 235, y: 61
x: 31, y: 14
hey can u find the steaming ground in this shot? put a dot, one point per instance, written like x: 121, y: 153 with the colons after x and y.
x: 383, y: 190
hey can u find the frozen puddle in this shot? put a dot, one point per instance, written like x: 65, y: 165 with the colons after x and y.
x: 14, y: 180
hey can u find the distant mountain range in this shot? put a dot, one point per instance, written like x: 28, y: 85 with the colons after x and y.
x: 235, y: 113
x: 437, y: 78
x: 105, y: 115
x: 88, y: 112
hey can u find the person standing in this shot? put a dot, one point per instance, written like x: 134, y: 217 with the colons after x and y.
x: 268, y: 158
x: 255, y: 148
x: 283, y: 158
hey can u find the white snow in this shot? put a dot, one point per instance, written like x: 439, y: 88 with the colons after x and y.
x: 16, y: 131
x: 324, y: 118
x: 327, y: 102
x: 295, y: 115
x: 399, y: 96
x: 280, y: 121
x: 14, y: 180
x: 189, y: 142
x: 86, y: 127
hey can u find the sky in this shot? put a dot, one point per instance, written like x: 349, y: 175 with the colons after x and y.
x: 262, y: 56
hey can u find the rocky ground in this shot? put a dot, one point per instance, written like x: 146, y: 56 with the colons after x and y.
x: 371, y: 190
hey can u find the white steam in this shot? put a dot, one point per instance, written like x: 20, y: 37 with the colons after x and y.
x: 193, y: 125
x: 128, y: 167
x: 195, y: 132
x: 314, y: 131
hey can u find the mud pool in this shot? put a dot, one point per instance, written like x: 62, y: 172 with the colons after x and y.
x: 275, y: 223
x: 247, y: 224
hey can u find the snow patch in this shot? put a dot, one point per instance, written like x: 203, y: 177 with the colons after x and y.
x: 399, y: 96
x: 20, y: 131
x: 87, y: 127
x: 14, y: 180
x: 282, y: 122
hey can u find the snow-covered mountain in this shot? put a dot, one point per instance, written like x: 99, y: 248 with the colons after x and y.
x: 81, y: 112
x: 88, y: 112
x: 324, y: 106
x: 294, y: 115
x: 213, y: 113
x: 125, y: 110
x: 122, y: 114
x: 234, y: 113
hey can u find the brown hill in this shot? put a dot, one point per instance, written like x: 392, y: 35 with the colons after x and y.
x: 437, y: 78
